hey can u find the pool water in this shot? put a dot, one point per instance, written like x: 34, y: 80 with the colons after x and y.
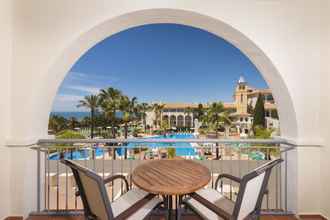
x: 77, y: 154
x: 182, y: 149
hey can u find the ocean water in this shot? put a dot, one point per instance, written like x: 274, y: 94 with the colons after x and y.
x: 77, y: 115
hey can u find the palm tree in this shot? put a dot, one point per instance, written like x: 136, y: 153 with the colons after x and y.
x: 158, y: 109
x: 53, y: 124
x: 85, y: 122
x: 57, y: 123
x: 143, y: 108
x: 72, y: 123
x: 199, y: 112
x: 109, y: 102
x: 216, y: 116
x: 91, y: 102
x: 128, y: 107
x: 226, y: 121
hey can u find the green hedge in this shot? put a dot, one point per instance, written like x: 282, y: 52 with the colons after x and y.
x: 69, y: 134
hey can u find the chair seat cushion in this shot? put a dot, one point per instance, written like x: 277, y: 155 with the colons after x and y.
x: 129, y: 199
x: 214, y: 197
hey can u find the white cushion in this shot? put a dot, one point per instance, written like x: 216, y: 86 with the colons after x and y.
x: 212, y: 196
x: 129, y: 199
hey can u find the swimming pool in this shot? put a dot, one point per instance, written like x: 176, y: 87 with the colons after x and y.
x: 182, y: 149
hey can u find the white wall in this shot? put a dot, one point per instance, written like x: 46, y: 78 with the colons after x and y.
x: 325, y: 114
x: 287, y: 31
x: 5, y: 62
x: 49, y: 36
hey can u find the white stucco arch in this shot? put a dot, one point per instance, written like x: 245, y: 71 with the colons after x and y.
x: 286, y: 40
x: 51, y: 79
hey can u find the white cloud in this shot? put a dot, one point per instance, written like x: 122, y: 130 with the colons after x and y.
x: 93, y: 90
x: 68, y: 98
x: 78, y: 84
x: 78, y: 76
x: 64, y: 103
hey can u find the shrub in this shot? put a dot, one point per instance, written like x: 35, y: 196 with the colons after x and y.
x: 171, y: 152
x: 262, y: 133
x: 69, y: 134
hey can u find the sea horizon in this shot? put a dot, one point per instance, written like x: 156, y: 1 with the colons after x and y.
x: 68, y: 114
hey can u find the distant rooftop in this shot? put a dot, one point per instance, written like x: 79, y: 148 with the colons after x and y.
x: 192, y: 105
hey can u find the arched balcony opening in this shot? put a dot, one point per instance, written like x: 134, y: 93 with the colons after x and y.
x: 173, y: 121
x: 43, y: 95
x: 180, y: 121
x: 188, y: 121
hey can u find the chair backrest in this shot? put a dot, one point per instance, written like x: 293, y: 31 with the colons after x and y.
x: 92, y: 192
x: 252, y: 190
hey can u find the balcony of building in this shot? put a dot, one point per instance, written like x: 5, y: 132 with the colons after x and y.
x: 56, y: 185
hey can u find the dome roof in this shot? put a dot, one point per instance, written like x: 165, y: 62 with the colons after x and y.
x: 241, y: 80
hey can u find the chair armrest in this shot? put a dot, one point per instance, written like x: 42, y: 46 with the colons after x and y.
x: 220, y: 212
x: 112, y: 178
x: 227, y: 176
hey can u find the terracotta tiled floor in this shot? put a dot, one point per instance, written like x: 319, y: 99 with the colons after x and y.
x: 154, y: 218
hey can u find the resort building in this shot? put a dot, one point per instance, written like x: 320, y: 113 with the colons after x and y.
x: 181, y: 115
x: 245, y: 99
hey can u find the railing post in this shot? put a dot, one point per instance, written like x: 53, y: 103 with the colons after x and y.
x: 286, y: 181
x: 38, y: 180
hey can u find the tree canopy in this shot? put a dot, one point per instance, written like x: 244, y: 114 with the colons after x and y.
x: 259, y: 113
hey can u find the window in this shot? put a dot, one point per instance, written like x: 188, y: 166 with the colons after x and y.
x: 241, y: 97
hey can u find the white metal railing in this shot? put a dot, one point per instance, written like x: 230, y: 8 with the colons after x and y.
x: 56, y: 187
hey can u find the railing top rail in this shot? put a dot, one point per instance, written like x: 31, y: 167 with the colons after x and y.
x: 159, y: 140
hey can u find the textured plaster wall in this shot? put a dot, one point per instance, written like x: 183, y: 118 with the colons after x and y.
x: 5, y: 68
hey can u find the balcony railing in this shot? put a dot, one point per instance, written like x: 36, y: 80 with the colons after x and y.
x: 56, y: 185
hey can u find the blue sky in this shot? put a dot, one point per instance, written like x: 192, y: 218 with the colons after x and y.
x: 159, y: 62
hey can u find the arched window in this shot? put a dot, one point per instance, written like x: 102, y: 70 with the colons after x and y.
x: 173, y: 121
x: 188, y: 121
x: 180, y: 121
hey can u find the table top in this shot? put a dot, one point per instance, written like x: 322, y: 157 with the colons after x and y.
x: 171, y: 177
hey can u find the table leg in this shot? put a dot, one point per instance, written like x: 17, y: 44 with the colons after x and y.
x: 170, y: 207
x: 178, y: 200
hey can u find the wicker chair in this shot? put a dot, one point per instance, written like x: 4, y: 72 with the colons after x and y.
x: 211, y: 204
x: 134, y: 204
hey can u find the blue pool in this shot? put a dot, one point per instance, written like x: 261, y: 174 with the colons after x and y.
x: 182, y: 149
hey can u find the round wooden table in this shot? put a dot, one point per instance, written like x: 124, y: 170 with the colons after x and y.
x: 169, y: 178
